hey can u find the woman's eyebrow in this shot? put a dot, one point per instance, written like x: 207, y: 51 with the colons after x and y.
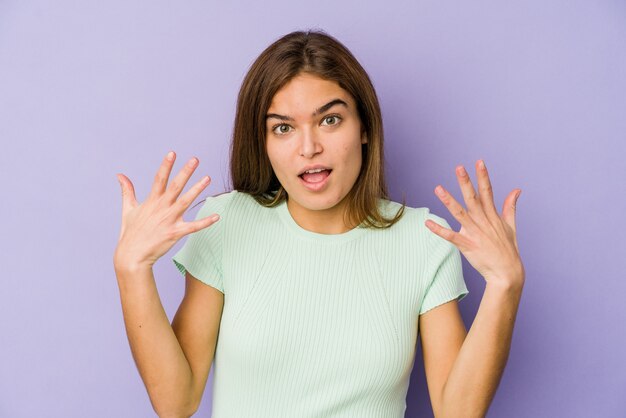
x: 321, y: 109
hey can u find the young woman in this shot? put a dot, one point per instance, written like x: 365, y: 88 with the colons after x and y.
x: 311, y: 288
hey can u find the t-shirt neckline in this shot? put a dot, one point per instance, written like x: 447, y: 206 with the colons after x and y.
x: 292, y: 225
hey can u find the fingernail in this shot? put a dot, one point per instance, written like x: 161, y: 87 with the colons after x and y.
x: 481, y: 164
x: 170, y: 156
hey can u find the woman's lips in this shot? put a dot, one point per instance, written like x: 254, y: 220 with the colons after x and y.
x: 316, y: 186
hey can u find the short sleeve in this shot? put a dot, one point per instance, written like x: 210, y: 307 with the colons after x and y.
x: 446, y: 269
x: 201, y: 254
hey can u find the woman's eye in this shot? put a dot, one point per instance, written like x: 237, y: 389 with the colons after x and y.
x: 334, y: 118
x: 280, y: 130
x: 283, y: 128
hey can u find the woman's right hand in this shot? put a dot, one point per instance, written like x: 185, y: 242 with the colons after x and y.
x: 151, y: 228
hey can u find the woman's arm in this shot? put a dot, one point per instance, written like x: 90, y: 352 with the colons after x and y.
x: 476, y: 372
x: 489, y: 242
x: 173, y: 360
x: 155, y: 349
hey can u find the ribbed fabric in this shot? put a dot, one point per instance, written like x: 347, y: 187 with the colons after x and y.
x: 317, y: 325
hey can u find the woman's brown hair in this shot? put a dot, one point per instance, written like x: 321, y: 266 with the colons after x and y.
x: 320, y: 54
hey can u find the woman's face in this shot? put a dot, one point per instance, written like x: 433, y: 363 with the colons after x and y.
x: 314, y: 122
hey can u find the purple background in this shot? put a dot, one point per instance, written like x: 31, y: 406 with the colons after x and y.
x: 89, y: 89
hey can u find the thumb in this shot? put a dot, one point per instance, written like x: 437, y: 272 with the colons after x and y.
x: 509, y: 210
x: 128, y: 191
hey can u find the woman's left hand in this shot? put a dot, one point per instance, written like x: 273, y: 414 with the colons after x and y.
x: 486, y: 239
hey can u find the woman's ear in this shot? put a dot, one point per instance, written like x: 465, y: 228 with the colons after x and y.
x: 364, y: 137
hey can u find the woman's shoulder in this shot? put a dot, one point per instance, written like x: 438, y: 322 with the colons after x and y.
x: 239, y: 205
x: 390, y: 208
x: 227, y: 197
x: 218, y: 200
x: 413, y: 220
x: 219, y: 203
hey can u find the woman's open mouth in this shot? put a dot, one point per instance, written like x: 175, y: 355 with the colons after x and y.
x: 315, y: 181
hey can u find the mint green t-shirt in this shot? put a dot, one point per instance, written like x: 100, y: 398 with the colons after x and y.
x: 317, y: 325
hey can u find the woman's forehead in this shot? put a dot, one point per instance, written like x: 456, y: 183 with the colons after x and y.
x: 331, y: 104
x: 304, y: 97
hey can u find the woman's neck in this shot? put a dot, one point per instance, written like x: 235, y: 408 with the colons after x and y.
x: 326, y: 221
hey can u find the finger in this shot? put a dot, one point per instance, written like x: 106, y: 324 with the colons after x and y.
x: 187, y: 198
x: 162, y: 176
x: 181, y: 179
x: 449, y: 235
x: 485, y: 193
x: 459, y: 213
x: 509, y: 208
x: 474, y: 205
x: 129, y: 200
x: 202, y: 223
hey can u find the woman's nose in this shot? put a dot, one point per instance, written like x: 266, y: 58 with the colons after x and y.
x: 309, y: 143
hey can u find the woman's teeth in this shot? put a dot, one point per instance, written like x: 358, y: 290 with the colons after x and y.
x: 315, y: 176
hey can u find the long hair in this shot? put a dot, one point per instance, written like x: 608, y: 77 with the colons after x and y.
x: 320, y: 54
